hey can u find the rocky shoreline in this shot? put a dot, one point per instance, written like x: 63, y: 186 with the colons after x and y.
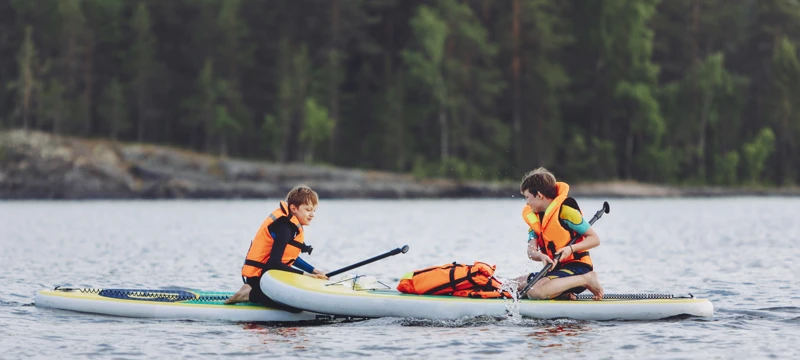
x: 36, y: 165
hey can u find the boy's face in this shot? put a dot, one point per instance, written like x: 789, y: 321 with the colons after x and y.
x: 304, y: 213
x: 536, y: 201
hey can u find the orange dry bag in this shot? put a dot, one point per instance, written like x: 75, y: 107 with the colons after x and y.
x: 454, y: 279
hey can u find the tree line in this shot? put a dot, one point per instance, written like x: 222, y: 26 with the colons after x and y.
x: 679, y: 91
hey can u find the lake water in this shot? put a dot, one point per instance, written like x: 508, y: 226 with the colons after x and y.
x: 738, y: 252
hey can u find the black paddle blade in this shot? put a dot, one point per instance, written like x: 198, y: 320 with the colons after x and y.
x: 606, y: 207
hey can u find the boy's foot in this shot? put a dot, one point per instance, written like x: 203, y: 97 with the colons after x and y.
x: 593, y: 285
x: 243, y: 295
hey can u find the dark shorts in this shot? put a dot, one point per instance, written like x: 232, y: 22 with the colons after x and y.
x: 257, y: 296
x: 565, y: 270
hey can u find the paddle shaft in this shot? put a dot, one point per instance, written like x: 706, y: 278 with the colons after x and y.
x: 403, y: 250
x: 547, y: 267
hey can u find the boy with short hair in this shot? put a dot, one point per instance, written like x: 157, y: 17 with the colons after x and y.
x: 278, y: 245
x: 553, y: 219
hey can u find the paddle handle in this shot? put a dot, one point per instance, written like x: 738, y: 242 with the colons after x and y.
x: 400, y: 250
x: 605, y: 210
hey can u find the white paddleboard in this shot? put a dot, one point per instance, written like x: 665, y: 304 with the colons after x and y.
x: 348, y: 299
x: 165, y: 304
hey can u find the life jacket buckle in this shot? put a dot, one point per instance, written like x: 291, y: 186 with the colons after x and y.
x: 307, y: 249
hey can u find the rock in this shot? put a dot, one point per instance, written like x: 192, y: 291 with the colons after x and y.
x: 36, y: 165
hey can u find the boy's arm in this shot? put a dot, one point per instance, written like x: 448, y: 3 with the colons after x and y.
x: 575, y: 221
x: 590, y: 240
x: 533, y: 247
x: 303, y: 265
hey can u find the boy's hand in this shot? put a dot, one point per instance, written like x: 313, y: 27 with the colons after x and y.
x: 318, y: 274
x: 547, y: 260
x: 565, y: 252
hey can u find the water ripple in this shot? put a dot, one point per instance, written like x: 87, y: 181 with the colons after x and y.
x: 189, y: 245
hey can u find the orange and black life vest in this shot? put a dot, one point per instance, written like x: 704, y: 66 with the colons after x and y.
x: 454, y: 279
x: 551, y: 233
x: 261, y: 247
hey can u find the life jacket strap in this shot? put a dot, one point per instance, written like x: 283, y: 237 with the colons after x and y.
x: 303, y: 247
x: 254, y: 263
x: 580, y: 254
x: 261, y: 265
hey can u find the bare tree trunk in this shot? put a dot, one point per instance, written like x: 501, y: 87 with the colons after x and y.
x: 71, y: 58
x: 333, y: 64
x: 140, y: 104
x: 786, y: 145
x: 629, y: 141
x: 58, y: 116
x: 115, y: 114
x: 88, y: 84
x: 515, y: 80
x: 209, y: 139
x: 27, y: 94
x: 485, y: 10
x: 223, y: 146
x: 444, y: 140
x: 695, y: 31
x: 701, y: 141
x: 400, y: 154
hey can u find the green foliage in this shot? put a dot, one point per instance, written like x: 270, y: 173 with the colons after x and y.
x: 114, y: 108
x: 755, y: 154
x: 726, y: 168
x: 661, y: 91
x: 318, y: 126
x: 52, y: 106
x: 271, y: 134
x: 603, y: 157
x: 27, y: 83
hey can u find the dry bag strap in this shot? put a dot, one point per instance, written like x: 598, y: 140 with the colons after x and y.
x: 453, y: 281
x: 444, y: 267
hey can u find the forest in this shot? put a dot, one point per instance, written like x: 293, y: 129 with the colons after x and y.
x: 676, y: 92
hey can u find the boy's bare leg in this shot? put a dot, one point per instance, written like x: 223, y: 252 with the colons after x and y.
x: 243, y: 295
x: 521, y: 282
x: 546, y: 288
x: 593, y: 285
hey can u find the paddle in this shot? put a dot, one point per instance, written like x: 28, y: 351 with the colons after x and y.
x: 547, y: 267
x: 403, y: 250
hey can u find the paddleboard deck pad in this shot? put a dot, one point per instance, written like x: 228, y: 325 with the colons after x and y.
x: 347, y: 298
x: 166, y: 304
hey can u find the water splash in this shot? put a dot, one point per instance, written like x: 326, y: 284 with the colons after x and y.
x: 512, y: 305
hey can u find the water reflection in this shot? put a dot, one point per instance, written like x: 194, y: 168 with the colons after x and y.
x: 554, y: 336
x: 272, y: 334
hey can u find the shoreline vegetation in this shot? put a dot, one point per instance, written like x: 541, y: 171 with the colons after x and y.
x: 37, y: 165
x: 673, y: 95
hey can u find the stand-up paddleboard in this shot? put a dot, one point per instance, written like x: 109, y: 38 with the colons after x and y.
x: 347, y: 298
x: 165, y: 304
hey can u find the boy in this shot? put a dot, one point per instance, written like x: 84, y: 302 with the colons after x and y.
x: 278, y: 244
x: 553, y: 219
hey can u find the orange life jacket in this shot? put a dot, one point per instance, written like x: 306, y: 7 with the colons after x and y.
x: 551, y: 233
x: 454, y: 279
x: 261, y: 247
